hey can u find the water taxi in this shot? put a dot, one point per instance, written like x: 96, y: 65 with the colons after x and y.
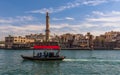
x: 47, y: 54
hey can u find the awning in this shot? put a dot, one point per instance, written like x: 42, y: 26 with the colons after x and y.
x: 47, y: 47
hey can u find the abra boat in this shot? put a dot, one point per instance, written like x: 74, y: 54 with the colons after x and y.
x: 48, y: 53
x: 43, y: 58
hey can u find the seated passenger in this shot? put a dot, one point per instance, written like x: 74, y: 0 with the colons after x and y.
x: 37, y: 54
x: 40, y: 54
x: 45, y: 53
x: 57, y: 54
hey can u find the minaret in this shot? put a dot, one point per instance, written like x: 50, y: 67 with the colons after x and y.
x: 47, y: 27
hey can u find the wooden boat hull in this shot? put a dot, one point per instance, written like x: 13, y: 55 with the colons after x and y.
x: 43, y: 58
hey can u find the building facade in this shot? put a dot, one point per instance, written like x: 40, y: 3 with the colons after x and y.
x: 13, y: 41
x: 37, y: 37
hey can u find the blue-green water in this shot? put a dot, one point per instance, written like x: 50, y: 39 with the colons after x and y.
x: 102, y: 62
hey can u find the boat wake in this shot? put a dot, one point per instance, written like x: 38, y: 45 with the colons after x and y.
x: 90, y: 60
x: 76, y: 60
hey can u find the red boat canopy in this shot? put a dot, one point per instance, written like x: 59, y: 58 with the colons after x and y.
x: 47, y: 47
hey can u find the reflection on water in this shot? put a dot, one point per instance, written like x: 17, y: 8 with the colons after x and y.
x: 77, y: 63
x: 43, y: 67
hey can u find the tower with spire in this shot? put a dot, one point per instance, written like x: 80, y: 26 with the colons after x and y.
x: 47, y: 31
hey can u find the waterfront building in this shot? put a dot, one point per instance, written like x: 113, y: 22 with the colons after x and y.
x: 90, y: 37
x: 37, y: 37
x: 55, y: 38
x: 109, y: 40
x: 99, y: 42
x: 118, y: 37
x: 76, y: 41
x: 2, y: 44
x: 110, y: 36
x: 118, y: 41
x: 110, y: 45
x: 14, y: 41
x: 84, y: 43
x: 66, y: 37
x: 81, y: 41
x: 66, y: 40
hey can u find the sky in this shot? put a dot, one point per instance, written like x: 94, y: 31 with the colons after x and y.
x: 22, y: 17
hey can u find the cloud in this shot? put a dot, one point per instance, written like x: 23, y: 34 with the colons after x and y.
x: 66, y: 18
x: 69, y: 18
x: 108, y: 17
x: 53, y: 10
x: 69, y: 5
x: 99, y: 22
x: 115, y: 0
x: 5, y: 20
x: 13, y: 28
x: 57, y: 19
x: 111, y: 13
x: 16, y: 19
x: 94, y: 2
x: 25, y: 18
x: 98, y: 13
x: 105, y: 20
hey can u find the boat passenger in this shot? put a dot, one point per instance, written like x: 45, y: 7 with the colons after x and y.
x: 40, y: 54
x: 45, y: 53
x: 57, y: 54
x: 37, y: 54
x: 50, y: 54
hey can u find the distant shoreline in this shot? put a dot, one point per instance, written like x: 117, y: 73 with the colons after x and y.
x: 63, y: 49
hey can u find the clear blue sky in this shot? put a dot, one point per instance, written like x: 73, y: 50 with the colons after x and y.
x: 20, y: 17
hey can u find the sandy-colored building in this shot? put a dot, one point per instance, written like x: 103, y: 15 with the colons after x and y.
x: 10, y: 41
x: 37, y: 37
